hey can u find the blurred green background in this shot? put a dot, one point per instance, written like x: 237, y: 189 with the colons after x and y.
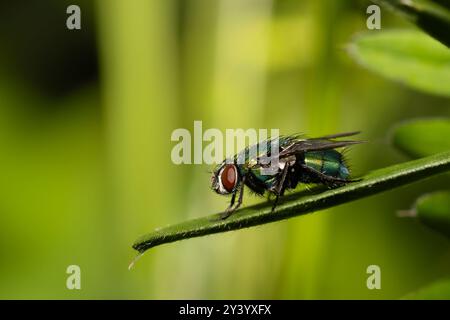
x: 85, y: 123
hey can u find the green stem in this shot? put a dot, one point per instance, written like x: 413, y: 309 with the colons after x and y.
x: 294, y: 205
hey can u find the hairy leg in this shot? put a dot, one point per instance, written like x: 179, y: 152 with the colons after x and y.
x: 231, y: 209
x: 280, y: 187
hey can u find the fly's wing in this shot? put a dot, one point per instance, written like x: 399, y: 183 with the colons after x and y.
x: 315, y: 145
x: 292, y: 145
x: 339, y: 135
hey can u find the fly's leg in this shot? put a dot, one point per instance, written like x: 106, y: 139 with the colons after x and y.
x: 241, y: 194
x: 230, y: 208
x: 280, y: 188
x: 233, y: 197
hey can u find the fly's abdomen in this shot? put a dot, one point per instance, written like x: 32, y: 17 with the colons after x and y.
x: 328, y: 162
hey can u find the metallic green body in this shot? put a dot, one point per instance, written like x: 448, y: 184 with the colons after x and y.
x: 297, y: 160
x: 327, y: 162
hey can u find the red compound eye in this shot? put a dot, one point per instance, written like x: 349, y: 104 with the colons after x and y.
x: 229, y: 177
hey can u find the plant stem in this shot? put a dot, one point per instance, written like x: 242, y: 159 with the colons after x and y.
x: 295, y: 205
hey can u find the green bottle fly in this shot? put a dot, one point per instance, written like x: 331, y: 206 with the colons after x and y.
x: 298, y: 160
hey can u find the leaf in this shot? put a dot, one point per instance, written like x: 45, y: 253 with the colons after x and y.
x: 433, y: 210
x: 431, y: 16
x: 295, y: 205
x: 407, y: 56
x: 439, y: 290
x: 422, y: 137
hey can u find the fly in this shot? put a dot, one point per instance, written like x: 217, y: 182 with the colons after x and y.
x: 300, y: 160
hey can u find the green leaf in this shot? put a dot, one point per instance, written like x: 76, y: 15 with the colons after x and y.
x: 433, y: 210
x: 422, y: 137
x: 299, y: 203
x: 439, y: 290
x: 407, y: 56
x: 431, y: 16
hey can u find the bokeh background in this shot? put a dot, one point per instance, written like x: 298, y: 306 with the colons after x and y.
x: 85, y: 124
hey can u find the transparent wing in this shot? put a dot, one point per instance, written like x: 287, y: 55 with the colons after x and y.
x: 316, y: 144
x: 339, y: 135
x: 292, y: 145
